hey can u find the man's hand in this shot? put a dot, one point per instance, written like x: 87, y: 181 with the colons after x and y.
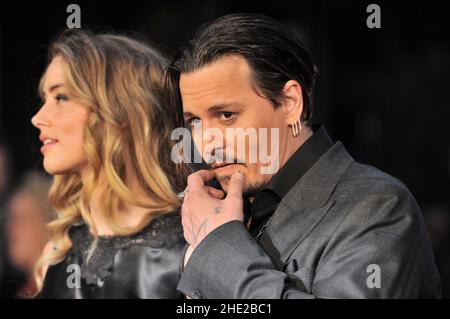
x: 204, y: 208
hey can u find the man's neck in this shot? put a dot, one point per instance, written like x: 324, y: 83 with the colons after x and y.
x: 294, y: 143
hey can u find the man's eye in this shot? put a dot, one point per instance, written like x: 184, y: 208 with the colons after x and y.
x: 61, y: 98
x: 193, y: 121
x: 226, y: 116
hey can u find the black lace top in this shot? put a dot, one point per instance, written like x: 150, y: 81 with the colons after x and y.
x: 145, y: 265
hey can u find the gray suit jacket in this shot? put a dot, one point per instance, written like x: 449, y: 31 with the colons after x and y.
x: 345, y: 230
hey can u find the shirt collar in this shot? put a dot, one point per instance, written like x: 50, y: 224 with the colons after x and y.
x: 300, y: 162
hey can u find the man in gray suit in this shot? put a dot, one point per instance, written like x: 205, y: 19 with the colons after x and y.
x: 320, y: 226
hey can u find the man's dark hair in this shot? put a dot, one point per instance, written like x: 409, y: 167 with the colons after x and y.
x: 274, y: 52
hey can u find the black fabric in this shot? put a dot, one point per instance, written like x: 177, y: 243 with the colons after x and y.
x: 145, y: 265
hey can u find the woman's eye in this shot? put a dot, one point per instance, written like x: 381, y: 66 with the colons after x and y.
x: 61, y: 98
x: 226, y: 116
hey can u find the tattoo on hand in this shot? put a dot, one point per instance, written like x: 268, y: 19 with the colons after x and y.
x: 218, y: 210
x: 200, y: 228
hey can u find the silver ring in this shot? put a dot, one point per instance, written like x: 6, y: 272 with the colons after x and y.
x: 182, y: 194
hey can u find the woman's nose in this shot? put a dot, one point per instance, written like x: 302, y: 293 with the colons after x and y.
x: 39, y: 119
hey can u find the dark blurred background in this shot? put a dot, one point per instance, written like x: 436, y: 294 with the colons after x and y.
x: 384, y: 92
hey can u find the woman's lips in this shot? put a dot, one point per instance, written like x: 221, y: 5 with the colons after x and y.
x: 47, y: 144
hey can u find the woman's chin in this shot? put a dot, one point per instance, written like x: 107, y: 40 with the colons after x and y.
x: 54, y: 169
x: 51, y: 171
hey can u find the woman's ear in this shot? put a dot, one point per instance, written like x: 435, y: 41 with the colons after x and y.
x: 292, y: 101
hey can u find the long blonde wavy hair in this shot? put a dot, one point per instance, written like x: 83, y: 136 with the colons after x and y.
x: 120, y: 80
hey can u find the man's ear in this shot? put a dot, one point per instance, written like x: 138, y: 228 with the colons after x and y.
x: 292, y: 101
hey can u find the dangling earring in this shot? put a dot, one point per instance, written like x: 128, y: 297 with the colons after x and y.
x: 296, y: 128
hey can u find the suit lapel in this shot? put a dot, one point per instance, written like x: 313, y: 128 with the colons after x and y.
x: 307, y: 202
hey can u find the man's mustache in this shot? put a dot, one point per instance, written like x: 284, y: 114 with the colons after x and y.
x: 222, y: 164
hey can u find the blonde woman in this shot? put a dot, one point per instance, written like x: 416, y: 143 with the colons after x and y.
x: 105, y: 138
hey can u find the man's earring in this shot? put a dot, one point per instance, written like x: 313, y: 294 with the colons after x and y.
x: 296, y: 128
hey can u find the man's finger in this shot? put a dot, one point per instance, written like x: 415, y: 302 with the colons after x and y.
x: 197, y: 180
x: 236, y: 184
x: 214, y: 192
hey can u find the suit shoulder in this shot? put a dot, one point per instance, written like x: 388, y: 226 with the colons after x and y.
x: 365, y: 180
x: 368, y: 194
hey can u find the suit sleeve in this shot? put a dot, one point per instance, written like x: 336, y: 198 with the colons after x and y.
x: 377, y: 251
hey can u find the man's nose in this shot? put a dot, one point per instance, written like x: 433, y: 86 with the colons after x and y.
x: 214, y: 144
